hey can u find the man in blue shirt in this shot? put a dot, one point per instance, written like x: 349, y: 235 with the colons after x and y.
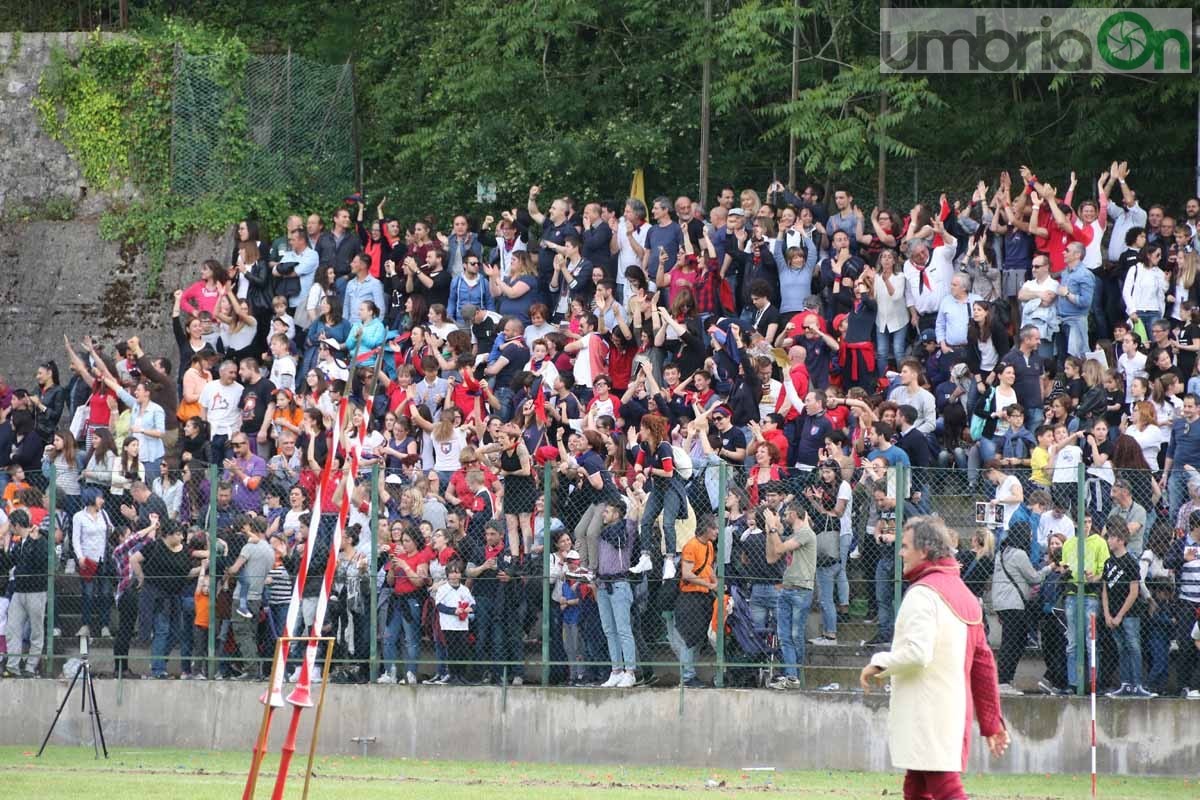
x: 665, y: 236
x: 1075, y: 288
x: 1183, y: 451
x: 362, y: 287
x: 954, y: 313
x: 881, y: 439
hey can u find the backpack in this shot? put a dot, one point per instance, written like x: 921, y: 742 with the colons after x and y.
x: 682, y: 461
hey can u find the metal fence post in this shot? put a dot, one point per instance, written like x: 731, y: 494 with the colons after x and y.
x: 211, y: 527
x: 547, y: 477
x: 51, y: 558
x: 898, y: 565
x: 1080, y: 621
x: 373, y: 656
x: 722, y: 490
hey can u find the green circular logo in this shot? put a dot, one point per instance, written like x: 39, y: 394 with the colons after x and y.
x: 1124, y: 40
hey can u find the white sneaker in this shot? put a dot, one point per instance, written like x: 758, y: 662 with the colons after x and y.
x: 105, y: 632
x: 84, y: 630
x: 518, y: 681
x: 295, y: 676
x: 1008, y: 690
x: 644, y: 564
x: 388, y: 677
x: 626, y: 681
x: 854, y: 554
x: 1193, y: 694
x: 612, y: 680
x: 411, y: 679
x: 668, y: 569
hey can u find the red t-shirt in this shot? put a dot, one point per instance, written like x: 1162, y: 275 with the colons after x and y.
x: 1054, y: 244
x: 403, y: 585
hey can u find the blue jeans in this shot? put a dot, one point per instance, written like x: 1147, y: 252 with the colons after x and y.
x: 764, y: 598
x: 660, y: 500
x: 1072, y: 337
x: 1091, y: 605
x: 166, y: 628
x: 1158, y: 642
x: 404, y: 613
x: 615, y: 599
x: 487, y: 625
x: 687, y: 657
x: 983, y: 452
x: 96, y: 596
x: 1034, y: 418
x: 1177, y: 491
x: 187, y: 616
x: 1148, y: 318
x: 885, y: 581
x: 791, y: 623
x: 890, y: 345
x: 153, y: 469
x: 504, y: 396
x: 1129, y: 649
x: 833, y: 578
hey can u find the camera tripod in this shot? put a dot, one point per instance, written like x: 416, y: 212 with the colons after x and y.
x: 87, y: 703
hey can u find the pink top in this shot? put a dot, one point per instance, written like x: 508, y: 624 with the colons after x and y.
x: 198, y: 297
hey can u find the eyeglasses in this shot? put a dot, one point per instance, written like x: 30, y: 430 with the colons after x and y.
x: 719, y: 417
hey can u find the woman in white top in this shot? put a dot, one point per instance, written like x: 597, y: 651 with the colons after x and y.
x: 1146, y: 431
x: 445, y: 440
x: 169, y: 487
x: 89, y: 543
x: 238, y: 325
x: 1145, y: 287
x: 441, y: 325
x: 891, y: 317
x: 289, y: 523
x: 1164, y: 393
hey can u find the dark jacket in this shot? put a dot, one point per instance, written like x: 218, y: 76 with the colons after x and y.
x: 1000, y: 341
x: 30, y: 558
x: 163, y: 390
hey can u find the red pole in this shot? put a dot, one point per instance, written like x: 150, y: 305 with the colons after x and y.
x: 285, y: 755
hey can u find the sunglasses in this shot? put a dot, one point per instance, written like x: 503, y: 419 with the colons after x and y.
x: 719, y: 417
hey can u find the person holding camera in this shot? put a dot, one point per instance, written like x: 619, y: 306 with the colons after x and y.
x: 792, y: 538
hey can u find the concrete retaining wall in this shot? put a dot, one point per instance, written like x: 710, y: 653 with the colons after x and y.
x: 728, y: 728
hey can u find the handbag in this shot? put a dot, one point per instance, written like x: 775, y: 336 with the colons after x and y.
x: 978, y: 423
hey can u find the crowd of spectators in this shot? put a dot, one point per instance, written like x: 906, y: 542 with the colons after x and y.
x: 1028, y: 349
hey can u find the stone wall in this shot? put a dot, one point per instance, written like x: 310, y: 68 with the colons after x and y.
x: 62, y: 278
x: 35, y: 169
x: 727, y: 728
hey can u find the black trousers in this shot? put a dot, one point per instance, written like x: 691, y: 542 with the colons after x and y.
x: 1014, y: 635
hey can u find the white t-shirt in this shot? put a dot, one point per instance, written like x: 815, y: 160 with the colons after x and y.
x: 1150, y: 440
x: 445, y: 454
x: 1006, y: 489
x: 847, y: 494
x: 1066, y: 464
x: 283, y: 373
x: 240, y: 339
x: 221, y: 403
x: 769, y: 396
x: 625, y: 255
x: 451, y: 596
x: 1048, y: 285
x: 1131, y: 368
x: 1052, y: 523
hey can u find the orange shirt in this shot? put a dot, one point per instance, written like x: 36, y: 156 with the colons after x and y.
x: 700, y: 554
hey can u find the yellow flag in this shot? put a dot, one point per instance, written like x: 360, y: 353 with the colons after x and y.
x: 638, y: 187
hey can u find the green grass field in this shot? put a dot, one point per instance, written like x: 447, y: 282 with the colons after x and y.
x: 148, y: 774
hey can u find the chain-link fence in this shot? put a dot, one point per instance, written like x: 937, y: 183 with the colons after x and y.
x: 287, y: 124
x: 507, y: 570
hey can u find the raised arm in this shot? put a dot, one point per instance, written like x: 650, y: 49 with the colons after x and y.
x: 534, y: 214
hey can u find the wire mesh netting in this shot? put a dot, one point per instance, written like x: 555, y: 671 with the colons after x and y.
x: 484, y: 576
x: 297, y: 116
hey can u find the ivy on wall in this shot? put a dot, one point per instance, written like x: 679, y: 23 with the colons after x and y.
x: 110, y: 105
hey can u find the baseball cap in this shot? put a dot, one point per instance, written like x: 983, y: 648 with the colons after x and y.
x: 737, y: 212
x: 393, y: 479
x: 927, y: 336
x: 571, y: 556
